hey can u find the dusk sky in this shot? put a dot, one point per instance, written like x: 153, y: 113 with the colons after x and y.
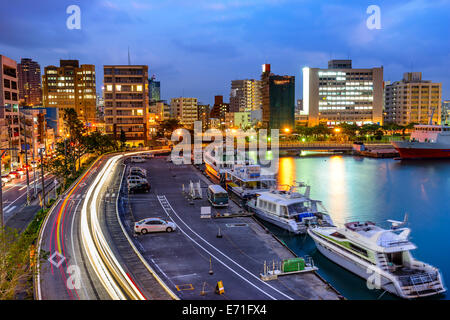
x: 195, y: 48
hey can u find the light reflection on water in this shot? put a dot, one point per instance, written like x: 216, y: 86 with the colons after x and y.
x: 360, y: 189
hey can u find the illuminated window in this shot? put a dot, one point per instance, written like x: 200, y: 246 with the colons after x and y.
x: 118, y: 87
x: 139, y: 88
x: 109, y: 87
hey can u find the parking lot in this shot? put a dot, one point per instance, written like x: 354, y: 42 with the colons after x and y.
x: 193, y: 259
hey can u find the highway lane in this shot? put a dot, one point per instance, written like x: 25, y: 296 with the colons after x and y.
x: 68, y: 276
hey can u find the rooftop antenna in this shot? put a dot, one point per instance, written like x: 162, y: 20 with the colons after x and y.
x: 129, y: 60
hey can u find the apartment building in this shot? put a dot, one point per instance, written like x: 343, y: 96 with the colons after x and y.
x: 185, y: 110
x: 30, y: 91
x: 70, y: 86
x: 413, y: 100
x: 126, y: 102
x: 245, y: 95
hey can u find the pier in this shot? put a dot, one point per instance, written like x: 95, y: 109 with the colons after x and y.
x: 205, y: 251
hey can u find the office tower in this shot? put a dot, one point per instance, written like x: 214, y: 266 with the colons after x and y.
x: 154, y: 90
x: 126, y: 102
x: 245, y: 95
x: 413, y: 100
x: 343, y: 94
x: 185, y: 110
x: 219, y: 109
x: 70, y: 86
x: 278, y: 100
x: 30, y: 91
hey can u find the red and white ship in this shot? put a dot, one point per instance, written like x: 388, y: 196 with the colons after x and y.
x: 427, y: 141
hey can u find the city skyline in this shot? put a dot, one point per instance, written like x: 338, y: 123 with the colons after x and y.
x: 228, y: 40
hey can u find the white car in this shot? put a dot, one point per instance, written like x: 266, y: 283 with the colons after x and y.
x: 135, y: 180
x: 154, y: 225
x: 136, y: 159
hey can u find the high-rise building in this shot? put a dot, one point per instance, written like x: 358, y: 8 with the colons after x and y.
x: 413, y: 100
x: 278, y: 100
x: 343, y: 94
x: 126, y: 102
x: 154, y: 90
x: 203, y: 115
x: 185, y: 110
x: 245, y: 95
x: 70, y: 86
x: 219, y: 109
x: 30, y: 91
x: 9, y: 111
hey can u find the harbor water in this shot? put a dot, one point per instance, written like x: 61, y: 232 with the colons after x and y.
x: 361, y: 189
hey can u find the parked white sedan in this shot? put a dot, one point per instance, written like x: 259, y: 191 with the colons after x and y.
x: 154, y: 225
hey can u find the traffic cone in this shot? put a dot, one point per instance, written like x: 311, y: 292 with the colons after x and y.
x: 219, y: 234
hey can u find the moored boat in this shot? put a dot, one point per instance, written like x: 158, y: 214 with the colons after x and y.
x: 381, y: 256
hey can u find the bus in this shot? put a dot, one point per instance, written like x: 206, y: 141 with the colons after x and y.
x: 217, y: 196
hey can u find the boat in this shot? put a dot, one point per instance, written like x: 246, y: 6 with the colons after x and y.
x: 216, y: 162
x: 427, y: 141
x: 381, y: 256
x: 291, y: 210
x: 247, y: 180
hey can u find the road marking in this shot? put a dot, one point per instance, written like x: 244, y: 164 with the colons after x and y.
x: 166, y: 206
x: 10, y: 209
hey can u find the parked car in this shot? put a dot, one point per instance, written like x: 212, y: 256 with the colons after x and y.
x: 147, y: 155
x: 135, y: 180
x: 140, y: 187
x: 138, y: 174
x: 21, y: 171
x: 154, y: 225
x: 6, y: 178
x: 137, y: 159
x: 138, y: 170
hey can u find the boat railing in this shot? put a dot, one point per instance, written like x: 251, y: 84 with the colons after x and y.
x: 418, y: 279
x: 393, y: 243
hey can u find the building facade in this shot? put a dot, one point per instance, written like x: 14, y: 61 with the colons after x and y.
x: 70, y: 86
x: 278, y: 100
x: 245, y: 95
x: 203, y: 115
x: 154, y: 90
x: 446, y: 111
x: 343, y: 94
x: 413, y: 100
x: 185, y: 110
x: 126, y: 103
x: 219, y: 109
x: 30, y: 91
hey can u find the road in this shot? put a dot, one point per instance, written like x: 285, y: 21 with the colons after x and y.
x: 15, y: 194
x: 80, y: 257
x: 60, y: 240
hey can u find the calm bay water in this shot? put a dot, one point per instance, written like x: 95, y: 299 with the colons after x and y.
x: 360, y: 189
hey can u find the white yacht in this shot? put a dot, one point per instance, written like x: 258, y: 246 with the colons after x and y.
x: 248, y: 180
x: 290, y: 210
x: 382, y: 256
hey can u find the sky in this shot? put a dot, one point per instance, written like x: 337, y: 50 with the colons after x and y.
x: 196, y: 47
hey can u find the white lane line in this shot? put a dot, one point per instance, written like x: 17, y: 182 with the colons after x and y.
x: 73, y: 247
x: 10, y: 209
x: 161, y: 198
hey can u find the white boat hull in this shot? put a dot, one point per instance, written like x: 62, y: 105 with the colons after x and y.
x: 278, y: 222
x: 363, y: 269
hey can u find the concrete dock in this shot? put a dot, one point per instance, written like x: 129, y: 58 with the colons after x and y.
x: 191, y: 260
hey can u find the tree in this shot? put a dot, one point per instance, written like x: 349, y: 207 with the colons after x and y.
x: 123, y: 139
x: 170, y: 125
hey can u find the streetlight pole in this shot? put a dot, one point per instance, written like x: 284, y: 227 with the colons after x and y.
x: 26, y: 165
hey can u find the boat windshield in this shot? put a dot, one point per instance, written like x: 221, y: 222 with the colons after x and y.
x: 299, y: 207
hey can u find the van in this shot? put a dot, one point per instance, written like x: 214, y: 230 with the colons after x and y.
x: 137, y: 159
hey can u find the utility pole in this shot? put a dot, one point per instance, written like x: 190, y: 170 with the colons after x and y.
x: 41, y: 151
x: 26, y: 164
